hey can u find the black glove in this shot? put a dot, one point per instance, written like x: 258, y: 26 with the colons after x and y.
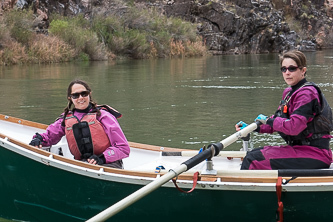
x: 99, y: 159
x: 38, y: 140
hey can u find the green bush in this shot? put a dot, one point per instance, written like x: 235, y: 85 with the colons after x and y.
x: 58, y: 26
x: 20, y: 24
x: 108, y: 28
x: 142, y: 30
x: 75, y: 31
x: 136, y: 32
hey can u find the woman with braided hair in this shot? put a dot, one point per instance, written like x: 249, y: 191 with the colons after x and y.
x: 92, y: 131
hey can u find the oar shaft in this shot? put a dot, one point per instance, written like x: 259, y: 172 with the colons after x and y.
x: 206, y: 154
x: 119, y: 206
x: 235, y: 154
x: 242, y: 133
x: 195, y: 160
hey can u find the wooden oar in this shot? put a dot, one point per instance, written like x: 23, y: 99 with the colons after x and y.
x: 206, y: 154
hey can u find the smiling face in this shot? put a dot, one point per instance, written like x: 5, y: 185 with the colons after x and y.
x: 292, y: 78
x: 81, y: 102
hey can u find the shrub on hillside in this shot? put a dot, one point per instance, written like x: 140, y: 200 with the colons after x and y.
x: 20, y: 23
x: 146, y: 33
x: 76, y: 32
x: 50, y: 49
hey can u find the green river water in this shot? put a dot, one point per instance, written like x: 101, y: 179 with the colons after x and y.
x: 184, y: 103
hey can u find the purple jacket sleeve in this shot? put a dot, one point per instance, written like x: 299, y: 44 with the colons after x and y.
x: 119, y: 148
x: 298, y: 120
x: 53, y: 134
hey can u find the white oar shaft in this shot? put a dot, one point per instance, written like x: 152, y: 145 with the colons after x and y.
x: 242, y: 133
x: 236, y: 154
x: 119, y: 206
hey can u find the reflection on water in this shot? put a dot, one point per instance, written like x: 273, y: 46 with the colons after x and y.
x: 184, y: 103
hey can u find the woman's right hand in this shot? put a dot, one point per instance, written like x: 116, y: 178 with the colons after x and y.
x: 240, y: 125
x: 37, y: 141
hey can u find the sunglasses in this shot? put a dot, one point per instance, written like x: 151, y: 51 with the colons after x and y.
x: 290, y: 68
x: 77, y: 95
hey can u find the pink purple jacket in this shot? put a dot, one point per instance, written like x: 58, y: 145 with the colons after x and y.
x: 119, y: 148
x: 300, y: 113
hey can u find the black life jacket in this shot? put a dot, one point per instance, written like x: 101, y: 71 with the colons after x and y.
x: 322, y: 123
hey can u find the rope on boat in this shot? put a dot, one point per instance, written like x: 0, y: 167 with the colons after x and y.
x: 279, y: 211
x: 195, y: 180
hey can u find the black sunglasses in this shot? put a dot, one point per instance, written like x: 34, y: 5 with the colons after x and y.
x: 290, y: 68
x: 77, y: 95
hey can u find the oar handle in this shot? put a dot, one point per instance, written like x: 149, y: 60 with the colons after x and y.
x: 195, y: 160
x: 239, y: 134
x: 214, y: 149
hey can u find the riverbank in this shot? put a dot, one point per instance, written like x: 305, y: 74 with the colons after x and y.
x: 59, y: 31
x: 138, y: 33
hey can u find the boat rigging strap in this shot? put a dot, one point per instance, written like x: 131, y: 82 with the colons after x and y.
x: 284, y: 181
x: 195, y: 180
x: 279, y: 211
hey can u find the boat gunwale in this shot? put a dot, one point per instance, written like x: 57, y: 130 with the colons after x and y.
x: 184, y: 176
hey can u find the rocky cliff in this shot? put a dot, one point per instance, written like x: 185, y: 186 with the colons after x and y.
x: 227, y: 26
x: 244, y: 26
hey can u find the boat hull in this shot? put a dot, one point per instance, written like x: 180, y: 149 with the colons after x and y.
x: 39, y: 185
x: 35, y: 191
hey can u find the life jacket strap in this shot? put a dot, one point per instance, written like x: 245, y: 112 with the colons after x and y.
x: 83, y: 138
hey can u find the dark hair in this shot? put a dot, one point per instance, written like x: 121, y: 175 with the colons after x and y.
x: 70, y: 103
x: 295, y: 55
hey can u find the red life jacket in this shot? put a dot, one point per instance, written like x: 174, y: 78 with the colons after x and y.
x: 85, y: 137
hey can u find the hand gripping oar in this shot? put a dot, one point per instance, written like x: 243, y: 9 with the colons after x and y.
x: 212, y: 150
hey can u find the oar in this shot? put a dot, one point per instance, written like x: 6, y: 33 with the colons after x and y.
x: 236, y: 154
x: 212, y: 150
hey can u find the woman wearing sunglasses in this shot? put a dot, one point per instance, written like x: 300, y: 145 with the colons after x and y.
x: 303, y: 119
x: 92, y: 132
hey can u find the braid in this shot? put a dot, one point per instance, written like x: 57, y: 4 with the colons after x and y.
x: 66, y: 111
x: 94, y: 105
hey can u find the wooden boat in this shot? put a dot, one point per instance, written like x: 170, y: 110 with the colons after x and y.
x: 41, y: 185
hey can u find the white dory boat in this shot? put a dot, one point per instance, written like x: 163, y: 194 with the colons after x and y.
x: 41, y: 185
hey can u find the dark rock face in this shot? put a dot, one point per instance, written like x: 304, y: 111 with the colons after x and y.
x: 227, y: 26
x: 244, y: 26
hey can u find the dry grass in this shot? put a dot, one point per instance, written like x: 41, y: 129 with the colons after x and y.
x: 137, y: 36
x: 187, y: 48
x: 197, y: 48
x: 50, y: 49
x: 177, y: 48
x: 13, y: 53
x: 153, y: 51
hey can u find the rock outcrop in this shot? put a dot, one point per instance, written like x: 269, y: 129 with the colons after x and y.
x: 227, y: 26
x: 258, y: 26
